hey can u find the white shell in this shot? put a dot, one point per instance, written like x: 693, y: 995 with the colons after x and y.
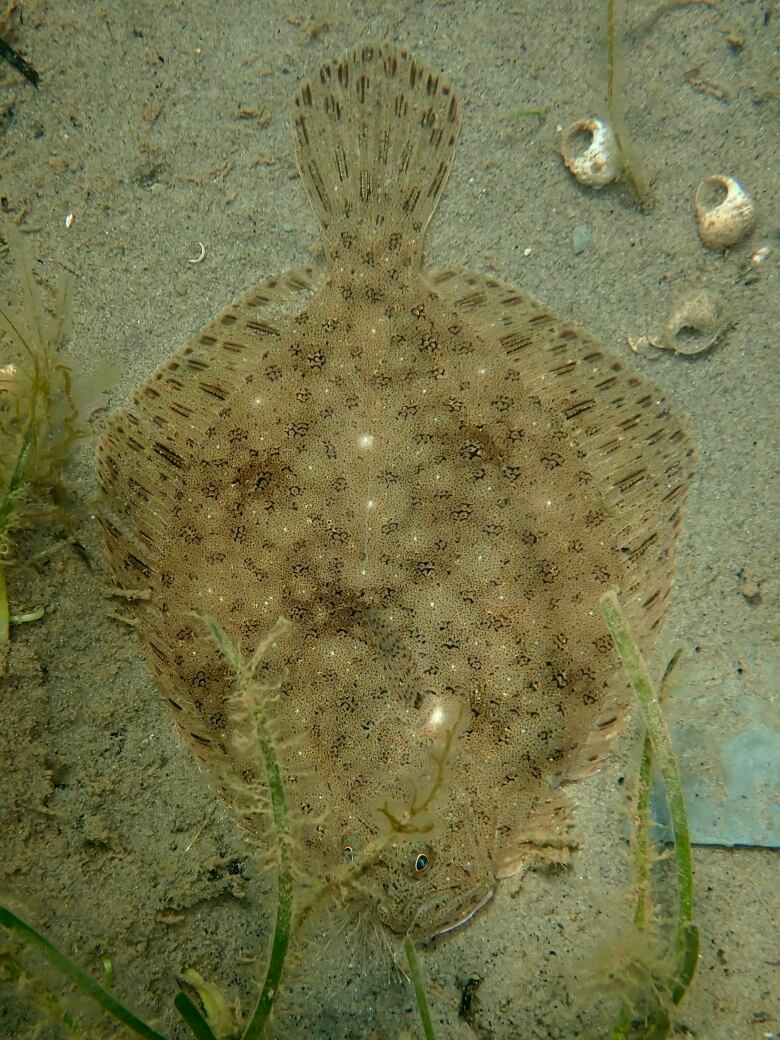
x: 725, y: 211
x: 696, y: 322
x: 595, y: 163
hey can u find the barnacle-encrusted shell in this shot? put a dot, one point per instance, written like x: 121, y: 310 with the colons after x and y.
x: 725, y: 211
x: 597, y: 162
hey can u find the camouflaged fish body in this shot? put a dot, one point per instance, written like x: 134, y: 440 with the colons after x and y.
x: 434, y: 479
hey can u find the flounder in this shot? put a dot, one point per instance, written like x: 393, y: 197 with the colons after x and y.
x: 433, y: 479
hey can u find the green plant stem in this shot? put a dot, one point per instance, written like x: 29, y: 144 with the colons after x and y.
x: 5, y: 618
x: 635, y: 179
x: 419, y: 991
x: 621, y: 1027
x: 642, y: 839
x: 29, y: 615
x: 198, y: 1025
x: 85, y: 983
x: 284, y: 910
x: 641, y: 865
x: 639, y: 675
x: 611, y: 53
x: 245, y: 672
x: 17, y: 478
x: 687, y: 935
x: 6, y: 509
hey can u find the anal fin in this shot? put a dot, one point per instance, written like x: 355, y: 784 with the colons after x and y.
x: 545, y: 839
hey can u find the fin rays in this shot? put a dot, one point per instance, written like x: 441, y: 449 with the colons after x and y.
x: 637, y: 449
x: 375, y: 136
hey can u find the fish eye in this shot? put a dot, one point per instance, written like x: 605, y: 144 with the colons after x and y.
x: 421, y: 862
x: 349, y: 846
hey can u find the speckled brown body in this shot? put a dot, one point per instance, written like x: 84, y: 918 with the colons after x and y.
x: 433, y: 480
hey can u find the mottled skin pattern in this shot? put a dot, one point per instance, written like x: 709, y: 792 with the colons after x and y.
x: 355, y: 452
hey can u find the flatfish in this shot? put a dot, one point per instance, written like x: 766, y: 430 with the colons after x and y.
x: 432, y: 479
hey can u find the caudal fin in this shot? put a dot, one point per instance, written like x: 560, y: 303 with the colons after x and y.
x: 375, y: 135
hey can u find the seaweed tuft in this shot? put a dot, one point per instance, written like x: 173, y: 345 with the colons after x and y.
x: 653, y: 983
x: 38, y: 414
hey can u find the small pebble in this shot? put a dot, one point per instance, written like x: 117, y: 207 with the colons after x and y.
x: 580, y: 239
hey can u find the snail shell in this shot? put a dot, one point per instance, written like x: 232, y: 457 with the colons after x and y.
x: 725, y: 211
x: 590, y: 151
x: 696, y: 322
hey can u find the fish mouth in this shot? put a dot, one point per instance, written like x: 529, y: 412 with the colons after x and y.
x: 466, y: 916
x: 467, y: 906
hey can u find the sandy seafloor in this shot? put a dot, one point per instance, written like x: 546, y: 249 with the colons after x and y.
x: 112, y: 842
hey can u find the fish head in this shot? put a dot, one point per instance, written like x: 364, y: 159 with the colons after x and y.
x: 430, y: 879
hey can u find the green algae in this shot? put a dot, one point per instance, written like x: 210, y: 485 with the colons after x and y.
x: 667, y: 992
x: 38, y: 413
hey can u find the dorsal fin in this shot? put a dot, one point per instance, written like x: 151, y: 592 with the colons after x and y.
x: 143, y: 459
x: 633, y: 443
x: 375, y: 135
